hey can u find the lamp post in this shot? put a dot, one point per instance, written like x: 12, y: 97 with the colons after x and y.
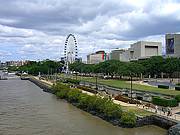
x: 131, y: 86
x: 96, y: 82
x: 178, y: 77
x: 76, y: 75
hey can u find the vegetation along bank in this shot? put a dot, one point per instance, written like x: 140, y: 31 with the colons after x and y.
x: 102, y: 107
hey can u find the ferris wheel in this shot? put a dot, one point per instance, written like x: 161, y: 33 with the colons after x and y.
x: 70, y: 51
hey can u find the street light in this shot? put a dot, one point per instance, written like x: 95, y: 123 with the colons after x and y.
x: 96, y: 82
x: 178, y: 77
x: 76, y: 75
x: 131, y: 86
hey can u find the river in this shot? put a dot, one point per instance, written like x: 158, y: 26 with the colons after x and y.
x: 26, y: 110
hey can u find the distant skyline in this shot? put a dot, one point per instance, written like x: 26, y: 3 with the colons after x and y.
x: 37, y: 29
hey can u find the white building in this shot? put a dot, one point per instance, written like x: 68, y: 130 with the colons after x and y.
x: 142, y: 50
x: 116, y: 54
x: 97, y: 57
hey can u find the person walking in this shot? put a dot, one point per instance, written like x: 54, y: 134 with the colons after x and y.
x: 164, y: 110
x: 169, y: 111
x: 156, y: 109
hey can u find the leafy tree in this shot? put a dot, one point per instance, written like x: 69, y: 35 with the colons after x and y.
x: 153, y: 65
x: 44, y: 67
x: 171, y: 65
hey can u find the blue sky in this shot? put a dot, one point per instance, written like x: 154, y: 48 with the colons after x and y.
x: 37, y: 29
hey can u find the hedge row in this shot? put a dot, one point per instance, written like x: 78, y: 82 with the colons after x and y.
x: 164, y: 102
x: 163, y: 86
x: 126, y: 99
x: 87, y: 89
x: 73, y: 81
x: 177, y: 97
x: 101, y: 106
x: 177, y: 88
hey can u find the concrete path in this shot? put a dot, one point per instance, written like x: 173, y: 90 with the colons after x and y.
x: 44, y: 81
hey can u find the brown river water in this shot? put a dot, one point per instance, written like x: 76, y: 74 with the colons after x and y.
x: 26, y: 110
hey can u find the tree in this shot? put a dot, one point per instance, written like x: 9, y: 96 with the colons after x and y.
x: 34, y: 67
x: 109, y: 67
x: 153, y: 65
x: 171, y: 65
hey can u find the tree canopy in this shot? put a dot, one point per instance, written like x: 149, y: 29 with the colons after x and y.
x: 152, y: 66
x: 45, y: 67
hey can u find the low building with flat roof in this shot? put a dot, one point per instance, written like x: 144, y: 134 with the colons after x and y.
x: 142, y: 50
x: 116, y: 54
x: 97, y: 57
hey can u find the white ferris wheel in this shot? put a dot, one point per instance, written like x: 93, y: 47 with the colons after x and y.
x: 70, y: 51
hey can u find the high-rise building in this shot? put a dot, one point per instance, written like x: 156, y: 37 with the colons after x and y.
x: 173, y: 45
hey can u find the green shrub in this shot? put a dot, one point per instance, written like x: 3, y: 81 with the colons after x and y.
x: 73, y: 81
x: 60, y: 86
x: 177, y: 88
x: 178, y: 84
x: 163, y: 86
x: 128, y: 118
x: 177, y: 97
x: 83, y: 100
x: 100, y: 103
x: 164, y: 102
x: 112, y: 110
x: 92, y: 105
x: 62, y: 94
x: 73, y: 95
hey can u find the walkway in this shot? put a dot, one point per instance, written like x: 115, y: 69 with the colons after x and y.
x: 160, y: 113
x: 44, y: 81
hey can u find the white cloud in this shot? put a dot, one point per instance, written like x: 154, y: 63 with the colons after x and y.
x: 4, y: 53
x: 39, y: 27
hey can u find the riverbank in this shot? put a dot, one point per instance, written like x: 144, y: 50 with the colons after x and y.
x: 141, y: 121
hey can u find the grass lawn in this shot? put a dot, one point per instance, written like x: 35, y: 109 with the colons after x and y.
x: 137, y: 111
x: 125, y: 84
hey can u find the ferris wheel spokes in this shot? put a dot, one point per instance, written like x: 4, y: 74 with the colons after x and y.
x: 70, y: 51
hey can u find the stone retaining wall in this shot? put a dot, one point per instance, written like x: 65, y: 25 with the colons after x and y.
x: 174, y: 130
x: 42, y: 85
x: 156, y: 120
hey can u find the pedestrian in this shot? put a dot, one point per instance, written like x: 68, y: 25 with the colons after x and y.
x: 169, y: 111
x: 163, y: 110
x: 156, y: 109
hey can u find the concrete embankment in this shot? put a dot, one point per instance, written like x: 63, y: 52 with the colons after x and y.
x: 156, y: 120
x: 42, y: 85
x: 141, y: 121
